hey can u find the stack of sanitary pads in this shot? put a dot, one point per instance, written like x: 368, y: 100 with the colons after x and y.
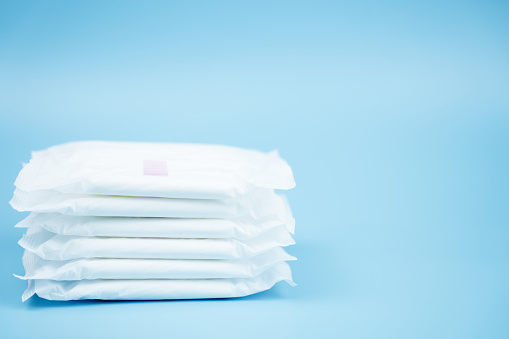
x: 142, y: 221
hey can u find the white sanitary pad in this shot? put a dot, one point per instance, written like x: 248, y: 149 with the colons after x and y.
x: 145, y: 221
x: 52, y: 246
x: 259, y: 204
x: 100, y: 268
x: 89, y: 226
x: 170, y: 170
x: 153, y: 289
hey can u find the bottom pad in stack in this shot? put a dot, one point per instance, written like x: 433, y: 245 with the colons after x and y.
x: 223, y: 240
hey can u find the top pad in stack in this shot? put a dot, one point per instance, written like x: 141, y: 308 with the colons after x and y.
x: 166, y: 170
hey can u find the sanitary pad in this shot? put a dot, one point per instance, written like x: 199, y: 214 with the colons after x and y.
x: 154, y: 289
x: 101, y: 268
x: 145, y: 221
x: 90, y: 226
x: 260, y: 204
x: 169, y: 170
x: 53, y: 246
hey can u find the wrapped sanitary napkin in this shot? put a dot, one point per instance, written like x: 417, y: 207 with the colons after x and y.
x: 146, y: 221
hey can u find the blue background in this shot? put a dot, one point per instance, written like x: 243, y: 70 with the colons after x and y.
x: 393, y: 114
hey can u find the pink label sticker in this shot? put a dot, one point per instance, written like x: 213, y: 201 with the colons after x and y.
x: 155, y: 167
